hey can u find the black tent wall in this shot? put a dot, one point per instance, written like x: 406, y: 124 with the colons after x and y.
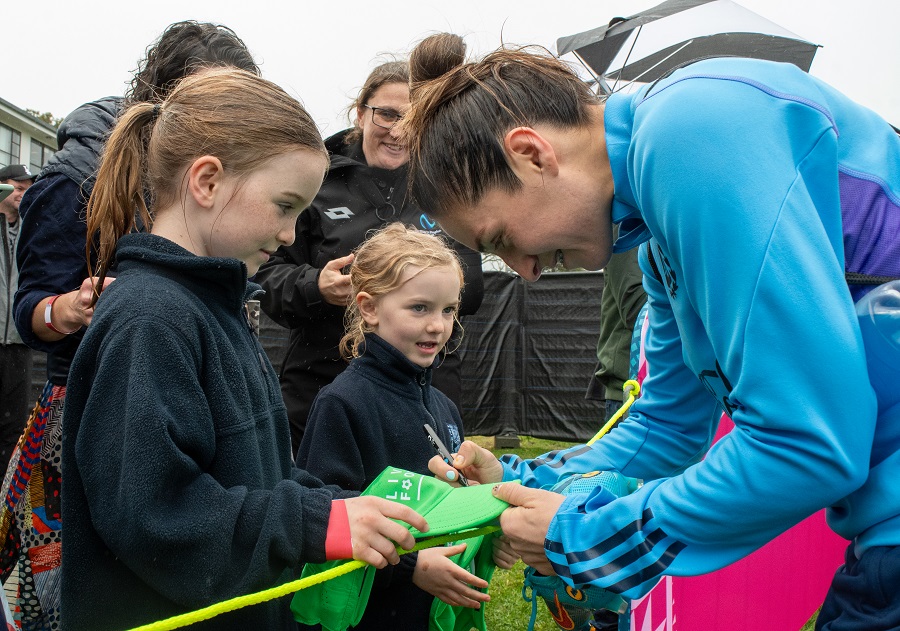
x: 527, y: 357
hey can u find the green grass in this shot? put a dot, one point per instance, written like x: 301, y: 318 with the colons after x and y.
x: 507, y: 609
x: 528, y: 447
x: 811, y: 623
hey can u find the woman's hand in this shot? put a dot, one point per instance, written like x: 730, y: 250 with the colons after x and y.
x: 69, y: 312
x: 334, y: 285
x: 442, y: 578
x: 526, y: 522
x: 476, y: 463
x: 373, y: 533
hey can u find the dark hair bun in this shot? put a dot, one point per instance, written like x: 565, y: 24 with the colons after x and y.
x: 436, y: 55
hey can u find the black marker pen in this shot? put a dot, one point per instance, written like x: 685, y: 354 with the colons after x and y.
x: 443, y: 452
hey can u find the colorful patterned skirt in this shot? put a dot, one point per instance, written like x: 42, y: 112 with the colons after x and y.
x: 30, y: 518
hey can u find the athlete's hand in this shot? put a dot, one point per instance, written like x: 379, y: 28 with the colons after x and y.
x: 373, y: 533
x: 527, y: 520
x: 476, y: 463
x: 334, y: 285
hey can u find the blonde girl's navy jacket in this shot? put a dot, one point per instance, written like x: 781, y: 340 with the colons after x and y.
x: 180, y: 490
x: 371, y: 417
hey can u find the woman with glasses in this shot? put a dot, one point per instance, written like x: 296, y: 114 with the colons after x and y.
x: 365, y: 189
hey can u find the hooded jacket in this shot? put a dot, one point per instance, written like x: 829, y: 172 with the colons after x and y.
x: 80, y: 139
x: 51, y: 253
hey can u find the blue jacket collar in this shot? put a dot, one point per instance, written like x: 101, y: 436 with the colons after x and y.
x: 618, y: 119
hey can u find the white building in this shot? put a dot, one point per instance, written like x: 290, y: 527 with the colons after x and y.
x: 24, y: 139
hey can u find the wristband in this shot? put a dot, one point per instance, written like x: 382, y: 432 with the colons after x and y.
x: 48, y: 317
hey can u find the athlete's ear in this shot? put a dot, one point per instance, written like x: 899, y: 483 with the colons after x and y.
x: 530, y: 153
x: 204, y: 180
x: 368, y: 308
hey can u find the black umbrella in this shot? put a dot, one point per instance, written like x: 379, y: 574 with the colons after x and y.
x: 647, y: 45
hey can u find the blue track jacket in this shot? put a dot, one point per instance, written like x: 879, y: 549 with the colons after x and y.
x: 756, y: 186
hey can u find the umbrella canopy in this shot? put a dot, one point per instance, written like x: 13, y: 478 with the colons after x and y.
x: 647, y: 45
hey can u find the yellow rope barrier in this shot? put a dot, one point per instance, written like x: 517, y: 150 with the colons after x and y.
x: 185, y: 619
x: 632, y: 390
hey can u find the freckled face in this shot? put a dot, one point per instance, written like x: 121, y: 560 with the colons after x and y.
x: 260, y: 211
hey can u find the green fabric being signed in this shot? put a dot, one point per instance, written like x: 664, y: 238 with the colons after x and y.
x: 339, y: 603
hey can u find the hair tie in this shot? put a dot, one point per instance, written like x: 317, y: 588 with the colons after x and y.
x: 156, y: 109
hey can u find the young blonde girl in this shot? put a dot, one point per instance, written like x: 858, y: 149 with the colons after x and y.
x: 180, y: 489
x: 405, y: 286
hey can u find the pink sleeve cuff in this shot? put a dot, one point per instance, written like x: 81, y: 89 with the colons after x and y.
x: 337, y: 539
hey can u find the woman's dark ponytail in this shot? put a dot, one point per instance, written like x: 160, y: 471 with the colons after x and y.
x: 435, y: 56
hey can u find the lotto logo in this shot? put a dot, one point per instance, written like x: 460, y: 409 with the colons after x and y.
x: 406, y: 486
x: 338, y: 213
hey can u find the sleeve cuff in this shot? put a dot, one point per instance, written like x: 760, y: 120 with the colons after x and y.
x: 338, y: 544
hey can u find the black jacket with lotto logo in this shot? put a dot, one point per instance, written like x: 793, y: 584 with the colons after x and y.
x: 354, y: 200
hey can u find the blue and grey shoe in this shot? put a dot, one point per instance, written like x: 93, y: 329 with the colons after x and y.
x: 573, y: 608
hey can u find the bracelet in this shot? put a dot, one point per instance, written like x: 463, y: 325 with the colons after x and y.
x: 48, y: 317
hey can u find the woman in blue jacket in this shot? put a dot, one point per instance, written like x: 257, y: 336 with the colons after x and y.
x: 752, y: 188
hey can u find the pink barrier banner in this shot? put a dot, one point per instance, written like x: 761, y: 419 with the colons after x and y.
x: 777, y: 588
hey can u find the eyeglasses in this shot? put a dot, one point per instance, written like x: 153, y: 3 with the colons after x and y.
x: 384, y: 117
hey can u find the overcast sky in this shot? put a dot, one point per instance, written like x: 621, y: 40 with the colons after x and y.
x: 57, y: 54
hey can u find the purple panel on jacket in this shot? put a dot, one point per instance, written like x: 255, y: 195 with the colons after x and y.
x: 871, y: 230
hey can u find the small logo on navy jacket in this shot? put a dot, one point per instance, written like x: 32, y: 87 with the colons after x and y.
x: 455, y: 438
